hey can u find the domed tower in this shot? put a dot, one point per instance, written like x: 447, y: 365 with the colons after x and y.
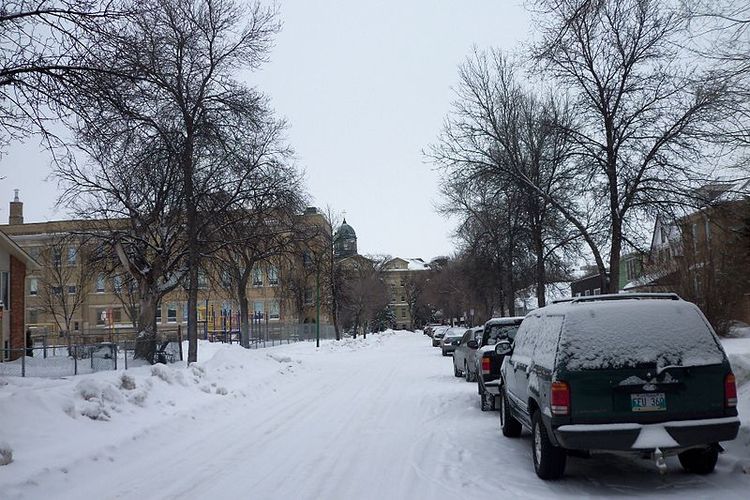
x: 345, y: 241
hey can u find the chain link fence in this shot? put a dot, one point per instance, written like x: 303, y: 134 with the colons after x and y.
x: 109, y: 349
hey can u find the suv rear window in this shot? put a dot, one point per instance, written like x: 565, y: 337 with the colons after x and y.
x: 633, y: 333
x: 493, y: 333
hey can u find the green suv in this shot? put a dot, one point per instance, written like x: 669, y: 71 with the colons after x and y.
x: 643, y: 373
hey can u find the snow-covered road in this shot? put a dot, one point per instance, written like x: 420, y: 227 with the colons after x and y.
x: 382, y: 419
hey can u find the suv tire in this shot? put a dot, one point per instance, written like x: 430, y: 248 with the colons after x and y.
x: 549, y: 460
x: 508, y: 424
x: 456, y: 371
x: 699, y: 461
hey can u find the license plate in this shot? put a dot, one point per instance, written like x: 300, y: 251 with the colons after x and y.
x: 648, y: 402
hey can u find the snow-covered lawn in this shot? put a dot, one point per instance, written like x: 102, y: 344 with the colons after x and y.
x: 381, y: 418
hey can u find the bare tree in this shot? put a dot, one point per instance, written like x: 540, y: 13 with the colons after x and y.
x: 363, y: 292
x: 262, y: 232
x: 39, y: 43
x: 67, y: 273
x: 132, y: 190
x: 506, y: 168
x: 170, y: 79
x: 643, y: 107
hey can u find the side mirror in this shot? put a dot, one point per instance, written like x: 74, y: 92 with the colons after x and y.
x: 503, y: 347
x: 473, y: 344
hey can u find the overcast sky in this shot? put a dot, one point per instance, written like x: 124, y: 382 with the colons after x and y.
x: 365, y: 86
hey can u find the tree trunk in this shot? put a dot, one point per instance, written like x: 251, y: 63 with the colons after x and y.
x: 539, y: 274
x: 244, y: 316
x: 614, y: 260
x: 145, y: 344
x: 191, y: 221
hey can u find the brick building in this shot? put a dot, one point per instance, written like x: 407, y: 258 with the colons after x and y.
x: 15, y: 264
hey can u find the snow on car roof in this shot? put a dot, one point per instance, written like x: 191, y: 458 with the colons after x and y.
x: 618, y: 333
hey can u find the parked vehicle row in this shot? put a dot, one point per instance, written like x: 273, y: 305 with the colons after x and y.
x: 636, y: 373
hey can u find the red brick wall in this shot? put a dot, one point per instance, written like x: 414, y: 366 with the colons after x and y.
x: 17, y: 306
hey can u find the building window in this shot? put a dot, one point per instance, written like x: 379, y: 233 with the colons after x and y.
x: 76, y: 326
x: 33, y: 286
x: 72, y: 289
x: 403, y: 313
x: 273, y: 275
x: 56, y: 290
x: 257, y: 276
x: 259, y: 308
x: 5, y: 290
x: 117, y: 283
x: 158, y: 313
x: 306, y: 259
x: 56, y: 257
x: 403, y: 298
x: 597, y: 291
x: 274, y: 311
x: 184, y: 312
x: 100, y: 283
x: 226, y: 279
x: 172, y: 313
x: 309, y: 296
x: 116, y: 315
x: 202, y: 280
x: 587, y: 293
x: 33, y: 316
x: 72, y: 256
x: 101, y: 317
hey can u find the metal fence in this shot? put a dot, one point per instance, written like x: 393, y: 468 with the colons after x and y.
x: 95, y: 351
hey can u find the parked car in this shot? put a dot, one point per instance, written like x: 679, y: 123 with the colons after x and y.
x: 451, y: 338
x: 638, y: 373
x: 464, y: 353
x: 428, y: 329
x: 485, y: 369
x: 437, y: 335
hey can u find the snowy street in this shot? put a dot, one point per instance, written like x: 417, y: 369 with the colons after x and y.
x: 381, y: 418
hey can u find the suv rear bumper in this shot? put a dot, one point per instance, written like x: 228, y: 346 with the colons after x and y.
x: 492, y: 386
x: 631, y: 436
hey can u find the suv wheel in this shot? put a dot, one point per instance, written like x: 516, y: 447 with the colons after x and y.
x: 508, y: 424
x: 488, y: 402
x: 456, y: 371
x: 699, y: 461
x: 549, y: 460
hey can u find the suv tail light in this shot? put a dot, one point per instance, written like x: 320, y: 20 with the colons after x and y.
x: 560, y: 398
x: 730, y: 391
x: 485, y: 366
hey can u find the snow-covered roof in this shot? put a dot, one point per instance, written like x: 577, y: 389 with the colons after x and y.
x: 415, y: 264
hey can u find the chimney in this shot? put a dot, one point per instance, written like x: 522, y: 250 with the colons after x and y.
x: 16, y: 211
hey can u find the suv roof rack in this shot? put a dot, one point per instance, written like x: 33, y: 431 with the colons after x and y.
x: 625, y: 296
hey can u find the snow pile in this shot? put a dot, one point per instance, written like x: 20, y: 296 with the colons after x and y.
x: 631, y: 332
x: 738, y: 352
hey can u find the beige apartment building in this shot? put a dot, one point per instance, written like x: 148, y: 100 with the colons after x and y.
x: 400, y: 274
x: 66, y: 293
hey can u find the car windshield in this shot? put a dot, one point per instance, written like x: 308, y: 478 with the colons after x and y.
x: 494, y: 333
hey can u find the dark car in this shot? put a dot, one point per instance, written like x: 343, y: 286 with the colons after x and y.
x: 639, y: 373
x: 485, y: 369
x: 464, y: 353
x: 451, y: 338
x: 437, y: 335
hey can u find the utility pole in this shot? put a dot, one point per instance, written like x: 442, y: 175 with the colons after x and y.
x: 317, y: 308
